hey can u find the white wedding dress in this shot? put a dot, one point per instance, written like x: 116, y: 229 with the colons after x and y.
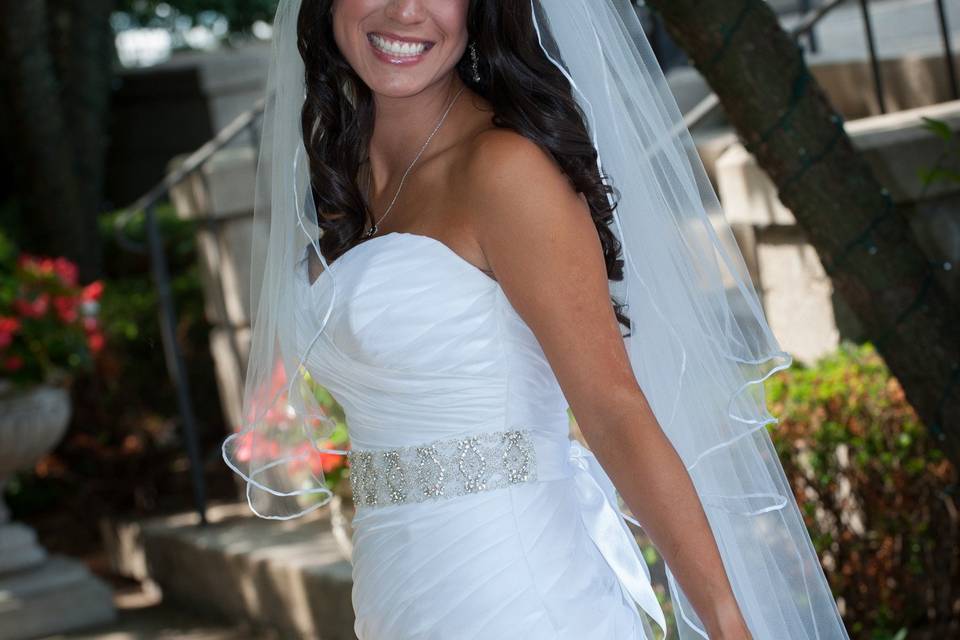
x: 422, y: 346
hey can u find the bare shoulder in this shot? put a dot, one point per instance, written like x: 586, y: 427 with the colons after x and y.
x: 506, y: 172
x: 503, y: 156
x: 524, y: 210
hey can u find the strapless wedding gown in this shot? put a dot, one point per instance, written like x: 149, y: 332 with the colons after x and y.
x: 422, y: 347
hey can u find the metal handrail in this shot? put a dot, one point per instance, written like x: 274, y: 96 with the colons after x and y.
x: 147, y: 203
x: 805, y: 26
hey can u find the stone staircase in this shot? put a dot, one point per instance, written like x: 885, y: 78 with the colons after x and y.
x: 293, y: 577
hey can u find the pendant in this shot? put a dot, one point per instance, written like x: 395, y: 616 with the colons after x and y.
x: 372, y: 230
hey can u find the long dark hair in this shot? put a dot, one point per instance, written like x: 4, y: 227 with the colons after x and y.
x: 528, y: 93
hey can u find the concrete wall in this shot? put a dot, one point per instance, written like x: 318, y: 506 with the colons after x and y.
x: 221, y: 197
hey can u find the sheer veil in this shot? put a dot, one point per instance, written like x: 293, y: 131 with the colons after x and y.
x: 700, y: 346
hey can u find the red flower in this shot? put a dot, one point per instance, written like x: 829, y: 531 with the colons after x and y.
x: 32, y: 308
x: 66, y: 270
x: 317, y: 461
x: 89, y: 324
x: 92, y: 291
x: 95, y: 341
x: 330, y: 461
x: 8, y: 326
x: 12, y: 363
x: 66, y: 308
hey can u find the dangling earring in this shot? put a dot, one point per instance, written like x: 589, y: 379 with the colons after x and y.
x: 474, y: 62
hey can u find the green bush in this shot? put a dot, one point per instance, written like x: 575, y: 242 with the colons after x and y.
x: 877, y: 495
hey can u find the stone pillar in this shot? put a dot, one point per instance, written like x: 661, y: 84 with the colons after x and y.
x: 219, y: 197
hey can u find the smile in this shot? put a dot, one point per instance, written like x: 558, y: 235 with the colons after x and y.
x: 398, y: 49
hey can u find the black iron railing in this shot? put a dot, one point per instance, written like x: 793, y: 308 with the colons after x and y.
x: 805, y: 27
x: 147, y: 205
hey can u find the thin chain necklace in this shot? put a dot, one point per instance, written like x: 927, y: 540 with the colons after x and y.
x: 372, y: 230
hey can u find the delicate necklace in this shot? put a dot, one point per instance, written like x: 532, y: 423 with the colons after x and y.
x: 372, y: 230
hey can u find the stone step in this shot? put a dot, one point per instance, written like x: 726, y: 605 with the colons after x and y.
x: 57, y: 595
x: 291, y: 576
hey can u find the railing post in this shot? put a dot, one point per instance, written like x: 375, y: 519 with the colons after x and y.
x: 804, y: 7
x: 175, y: 364
x: 874, y: 61
x: 947, y: 50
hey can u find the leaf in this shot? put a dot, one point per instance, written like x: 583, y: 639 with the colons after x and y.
x: 938, y: 127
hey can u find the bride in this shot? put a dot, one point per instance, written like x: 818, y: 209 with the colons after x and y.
x: 472, y: 215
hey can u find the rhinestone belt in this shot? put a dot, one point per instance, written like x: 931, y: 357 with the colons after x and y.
x: 443, y: 468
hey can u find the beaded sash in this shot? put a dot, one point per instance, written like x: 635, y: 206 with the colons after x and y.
x: 442, y: 468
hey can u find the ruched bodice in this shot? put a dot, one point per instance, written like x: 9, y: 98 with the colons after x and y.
x: 421, y: 346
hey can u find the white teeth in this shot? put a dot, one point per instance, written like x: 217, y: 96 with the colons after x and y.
x: 397, y: 48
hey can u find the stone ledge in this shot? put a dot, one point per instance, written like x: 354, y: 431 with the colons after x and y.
x: 56, y: 596
x: 291, y: 576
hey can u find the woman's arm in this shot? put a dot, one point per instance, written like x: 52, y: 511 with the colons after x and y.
x: 537, y: 235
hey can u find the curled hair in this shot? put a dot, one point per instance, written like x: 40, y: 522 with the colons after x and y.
x: 527, y: 92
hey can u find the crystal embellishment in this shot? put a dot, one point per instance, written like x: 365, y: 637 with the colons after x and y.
x: 442, y: 468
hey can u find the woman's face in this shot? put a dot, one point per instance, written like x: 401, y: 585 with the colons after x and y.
x: 400, y: 47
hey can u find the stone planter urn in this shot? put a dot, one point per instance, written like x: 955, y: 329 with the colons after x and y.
x: 32, y: 422
x: 43, y: 594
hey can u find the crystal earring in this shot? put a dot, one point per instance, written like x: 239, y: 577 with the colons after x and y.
x: 474, y: 62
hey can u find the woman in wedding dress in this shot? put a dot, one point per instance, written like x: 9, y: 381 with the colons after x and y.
x: 455, y: 299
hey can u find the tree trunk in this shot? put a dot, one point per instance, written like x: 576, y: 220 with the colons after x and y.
x: 865, y: 245
x: 57, y: 70
x: 84, y: 52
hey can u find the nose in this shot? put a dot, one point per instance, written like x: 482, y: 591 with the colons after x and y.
x: 406, y: 11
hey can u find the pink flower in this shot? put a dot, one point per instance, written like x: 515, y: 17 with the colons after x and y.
x: 12, y: 363
x: 252, y: 445
x: 273, y: 395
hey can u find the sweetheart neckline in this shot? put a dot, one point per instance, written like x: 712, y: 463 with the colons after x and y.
x: 430, y: 240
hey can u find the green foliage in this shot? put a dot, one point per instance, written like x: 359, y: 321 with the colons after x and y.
x: 947, y: 166
x: 877, y: 496
x: 335, y: 467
